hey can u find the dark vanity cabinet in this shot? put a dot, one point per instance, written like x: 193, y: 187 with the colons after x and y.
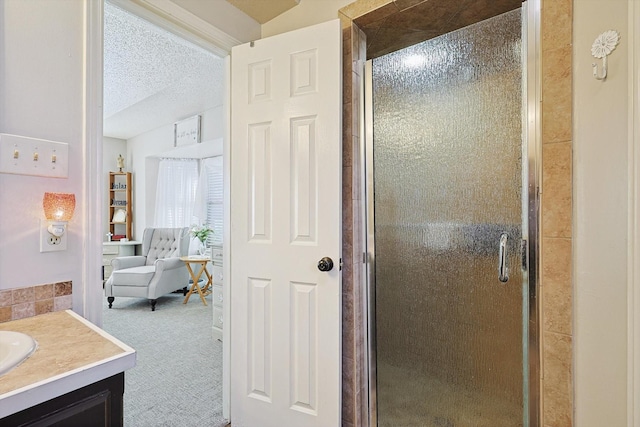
x: 96, y: 405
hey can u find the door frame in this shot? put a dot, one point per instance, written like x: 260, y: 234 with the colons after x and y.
x: 184, y: 24
x: 633, y: 284
x: 192, y: 29
x: 532, y: 179
x: 532, y: 126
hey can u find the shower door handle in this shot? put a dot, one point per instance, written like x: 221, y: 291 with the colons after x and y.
x: 503, y: 270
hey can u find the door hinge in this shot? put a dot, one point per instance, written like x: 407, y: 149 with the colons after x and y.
x: 525, y: 253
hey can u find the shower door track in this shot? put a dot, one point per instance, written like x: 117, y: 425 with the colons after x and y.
x: 531, y: 174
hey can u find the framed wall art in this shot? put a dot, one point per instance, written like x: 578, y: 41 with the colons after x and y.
x: 187, y: 131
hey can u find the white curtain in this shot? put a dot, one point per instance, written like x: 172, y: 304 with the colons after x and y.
x: 176, y: 192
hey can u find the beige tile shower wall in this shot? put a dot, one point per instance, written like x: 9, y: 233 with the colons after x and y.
x: 556, y: 228
x: 354, y: 382
x: 20, y: 303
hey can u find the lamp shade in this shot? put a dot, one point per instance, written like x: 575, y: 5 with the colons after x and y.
x: 59, y: 206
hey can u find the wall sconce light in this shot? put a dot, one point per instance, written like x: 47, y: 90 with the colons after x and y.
x: 58, y: 209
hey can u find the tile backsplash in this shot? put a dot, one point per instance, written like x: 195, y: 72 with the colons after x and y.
x: 19, y: 303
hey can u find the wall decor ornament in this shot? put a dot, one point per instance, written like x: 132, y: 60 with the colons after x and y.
x: 119, y: 216
x: 202, y: 233
x: 602, y: 47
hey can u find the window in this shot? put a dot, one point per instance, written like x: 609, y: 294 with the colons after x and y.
x: 185, y: 198
x: 212, y: 168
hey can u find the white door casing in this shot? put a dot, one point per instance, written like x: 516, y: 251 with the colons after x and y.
x: 285, y: 216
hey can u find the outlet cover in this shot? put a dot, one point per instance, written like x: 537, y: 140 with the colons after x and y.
x: 49, y: 242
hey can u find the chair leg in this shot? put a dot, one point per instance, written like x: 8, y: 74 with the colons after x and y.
x: 110, y: 301
x: 153, y: 304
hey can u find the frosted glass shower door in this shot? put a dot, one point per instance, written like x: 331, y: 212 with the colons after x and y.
x: 447, y: 177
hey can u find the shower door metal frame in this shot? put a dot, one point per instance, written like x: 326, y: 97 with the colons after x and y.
x: 532, y: 178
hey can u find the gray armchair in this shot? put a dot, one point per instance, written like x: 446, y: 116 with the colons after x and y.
x: 158, y: 271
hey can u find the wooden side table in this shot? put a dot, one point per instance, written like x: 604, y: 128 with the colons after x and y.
x: 204, y: 290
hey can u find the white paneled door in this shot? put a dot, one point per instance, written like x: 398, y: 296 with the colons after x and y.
x: 285, y: 218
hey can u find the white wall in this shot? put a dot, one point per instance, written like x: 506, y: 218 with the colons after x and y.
x: 600, y: 218
x: 306, y: 13
x: 224, y: 16
x: 143, y: 153
x: 41, y: 86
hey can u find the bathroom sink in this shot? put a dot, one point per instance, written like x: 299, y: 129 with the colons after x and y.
x: 15, y: 347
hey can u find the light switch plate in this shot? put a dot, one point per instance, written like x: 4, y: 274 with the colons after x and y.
x: 31, y: 156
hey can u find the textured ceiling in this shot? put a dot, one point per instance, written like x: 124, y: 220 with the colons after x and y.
x: 152, y: 77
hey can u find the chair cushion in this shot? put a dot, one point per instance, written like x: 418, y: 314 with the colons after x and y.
x: 165, y: 243
x: 135, y: 276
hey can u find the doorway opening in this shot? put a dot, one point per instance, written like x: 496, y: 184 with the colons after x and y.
x: 452, y: 286
x: 153, y: 79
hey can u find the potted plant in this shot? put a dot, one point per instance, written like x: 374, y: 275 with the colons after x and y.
x: 202, y: 232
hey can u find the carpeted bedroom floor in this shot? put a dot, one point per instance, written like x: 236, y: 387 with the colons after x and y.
x: 177, y: 381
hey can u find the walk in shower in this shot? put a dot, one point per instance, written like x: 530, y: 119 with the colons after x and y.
x: 448, y: 230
